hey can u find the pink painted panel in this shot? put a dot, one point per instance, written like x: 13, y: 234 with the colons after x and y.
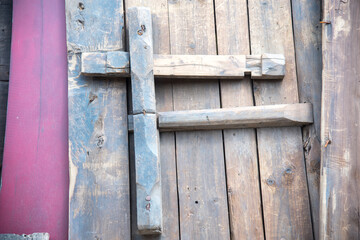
x: 34, y: 194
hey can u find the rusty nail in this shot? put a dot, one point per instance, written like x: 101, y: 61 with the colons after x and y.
x: 270, y: 181
x: 148, y: 198
x: 148, y: 206
x: 327, y: 142
x: 325, y: 22
x: 140, y: 32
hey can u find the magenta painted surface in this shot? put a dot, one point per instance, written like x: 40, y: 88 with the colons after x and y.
x: 34, y: 195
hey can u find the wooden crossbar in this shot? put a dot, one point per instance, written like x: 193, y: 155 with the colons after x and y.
x: 116, y: 63
x: 282, y: 115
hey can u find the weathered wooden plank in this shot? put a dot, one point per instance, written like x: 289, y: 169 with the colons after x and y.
x: 281, y: 115
x: 146, y: 135
x: 200, y: 157
x: 4, y: 86
x: 340, y: 117
x: 141, y: 55
x: 307, y: 33
x: 161, y: 45
x: 98, y: 136
x: 34, y: 236
x: 240, y: 145
x: 148, y: 177
x: 267, y: 66
x: 242, y: 117
x: 282, y: 168
x: 5, y: 38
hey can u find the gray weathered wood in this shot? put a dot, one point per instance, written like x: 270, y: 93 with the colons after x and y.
x: 161, y: 44
x: 148, y: 177
x: 203, y: 209
x: 146, y: 135
x: 141, y: 60
x: 4, y: 86
x: 5, y: 38
x: 34, y: 236
x: 282, y: 115
x: 306, y: 15
x: 266, y: 66
x: 98, y: 137
x: 340, y: 118
x: 240, y: 146
x: 281, y: 158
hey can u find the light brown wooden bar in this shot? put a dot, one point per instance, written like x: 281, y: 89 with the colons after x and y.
x: 282, y: 115
x: 116, y: 63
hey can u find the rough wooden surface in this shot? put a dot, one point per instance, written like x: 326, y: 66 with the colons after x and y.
x: 200, y: 157
x: 307, y: 34
x: 244, y: 198
x: 146, y: 135
x: 161, y: 44
x: 241, y: 117
x: 34, y: 236
x: 340, y: 132
x: 5, y: 38
x: 4, y: 86
x: 98, y: 136
x: 282, y: 168
x: 116, y: 63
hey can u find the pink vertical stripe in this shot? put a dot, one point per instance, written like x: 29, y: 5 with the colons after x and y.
x: 34, y: 195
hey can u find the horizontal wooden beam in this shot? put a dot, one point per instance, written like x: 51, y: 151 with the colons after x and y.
x: 283, y: 115
x: 116, y: 63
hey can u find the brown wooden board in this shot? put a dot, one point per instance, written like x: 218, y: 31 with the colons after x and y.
x: 340, y: 118
x: 200, y: 156
x: 164, y: 102
x: 240, y: 145
x: 282, y: 168
x: 98, y: 136
x: 307, y: 34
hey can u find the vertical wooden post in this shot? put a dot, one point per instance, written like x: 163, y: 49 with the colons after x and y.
x: 146, y: 136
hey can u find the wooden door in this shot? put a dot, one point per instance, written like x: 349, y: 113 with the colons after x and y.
x: 238, y: 183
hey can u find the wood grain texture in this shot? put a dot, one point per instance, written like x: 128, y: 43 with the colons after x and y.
x: 240, y: 145
x: 5, y: 38
x: 200, y: 156
x: 116, y: 63
x: 307, y: 34
x: 282, y: 115
x: 340, y: 117
x: 282, y: 168
x: 146, y: 135
x: 34, y: 236
x: 161, y: 45
x: 98, y: 136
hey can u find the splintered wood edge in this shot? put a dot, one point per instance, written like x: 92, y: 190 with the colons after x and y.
x: 282, y: 115
x: 116, y: 63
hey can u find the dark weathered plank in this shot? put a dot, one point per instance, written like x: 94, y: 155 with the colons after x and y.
x: 146, y: 135
x: 34, y: 236
x: 340, y: 117
x: 164, y: 102
x: 5, y: 38
x: 282, y: 168
x: 307, y: 32
x: 200, y: 156
x: 4, y: 86
x: 240, y: 145
x: 98, y: 139
x: 116, y: 63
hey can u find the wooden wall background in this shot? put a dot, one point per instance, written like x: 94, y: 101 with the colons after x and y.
x: 5, y: 46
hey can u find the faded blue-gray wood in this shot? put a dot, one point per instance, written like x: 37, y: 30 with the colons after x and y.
x: 146, y: 135
x: 141, y: 60
x: 34, y: 236
x: 306, y: 15
x: 148, y: 175
x: 117, y: 63
x: 281, y: 115
x: 340, y: 118
x: 98, y: 137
